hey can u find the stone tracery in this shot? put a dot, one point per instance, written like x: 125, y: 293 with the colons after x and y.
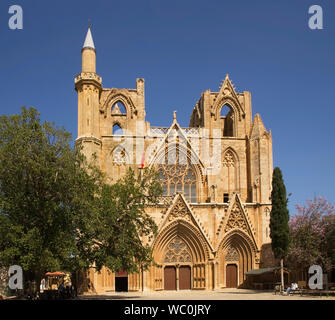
x: 177, y: 251
x: 179, y: 211
x: 178, y: 178
x: 236, y: 220
x: 232, y: 254
x: 229, y: 160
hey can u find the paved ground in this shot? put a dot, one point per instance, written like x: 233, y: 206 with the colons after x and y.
x: 225, y: 294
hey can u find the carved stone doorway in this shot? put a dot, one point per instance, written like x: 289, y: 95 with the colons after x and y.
x: 231, y: 276
x: 184, y: 278
x: 170, y: 278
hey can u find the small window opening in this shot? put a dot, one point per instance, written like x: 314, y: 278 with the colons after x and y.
x: 226, y: 197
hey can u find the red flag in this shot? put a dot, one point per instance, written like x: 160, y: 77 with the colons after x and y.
x: 142, y: 161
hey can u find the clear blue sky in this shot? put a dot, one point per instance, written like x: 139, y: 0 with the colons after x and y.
x: 182, y: 48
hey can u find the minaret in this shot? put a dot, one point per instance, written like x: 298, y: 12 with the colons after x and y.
x: 88, y: 85
x: 88, y: 54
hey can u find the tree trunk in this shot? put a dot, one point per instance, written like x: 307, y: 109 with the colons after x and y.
x: 282, y: 274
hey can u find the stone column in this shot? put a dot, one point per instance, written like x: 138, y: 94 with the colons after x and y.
x: 145, y: 279
x: 177, y: 277
x: 217, y: 275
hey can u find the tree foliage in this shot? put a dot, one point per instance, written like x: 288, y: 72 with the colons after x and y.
x: 123, y: 223
x: 279, y: 217
x: 57, y: 212
x: 312, y: 231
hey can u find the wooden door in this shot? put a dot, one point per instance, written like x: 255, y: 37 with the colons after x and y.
x: 170, y: 278
x: 184, y: 278
x: 231, y: 276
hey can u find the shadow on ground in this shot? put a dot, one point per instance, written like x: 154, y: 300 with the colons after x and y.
x: 246, y: 292
x: 106, y: 297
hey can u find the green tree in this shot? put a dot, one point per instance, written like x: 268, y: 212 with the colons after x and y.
x: 279, y: 218
x: 56, y: 211
x: 123, y: 228
x: 42, y: 183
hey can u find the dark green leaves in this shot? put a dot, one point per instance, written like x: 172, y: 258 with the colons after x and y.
x: 279, y: 218
x: 56, y: 211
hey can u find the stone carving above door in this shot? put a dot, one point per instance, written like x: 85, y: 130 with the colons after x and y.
x: 236, y: 220
x: 177, y: 251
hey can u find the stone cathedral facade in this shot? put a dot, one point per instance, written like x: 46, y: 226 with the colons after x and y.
x: 213, y: 217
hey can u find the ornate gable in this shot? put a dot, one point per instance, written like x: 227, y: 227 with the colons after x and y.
x: 228, y: 94
x: 236, y: 219
x: 180, y: 210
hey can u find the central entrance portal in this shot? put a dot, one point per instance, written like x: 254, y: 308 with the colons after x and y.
x: 170, y: 278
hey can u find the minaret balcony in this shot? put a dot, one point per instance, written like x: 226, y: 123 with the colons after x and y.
x: 88, y: 76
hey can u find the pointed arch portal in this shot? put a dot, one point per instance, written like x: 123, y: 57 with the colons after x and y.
x: 181, y: 253
x: 236, y: 257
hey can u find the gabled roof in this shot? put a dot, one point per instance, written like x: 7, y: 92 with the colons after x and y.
x: 229, y: 224
x: 227, y: 92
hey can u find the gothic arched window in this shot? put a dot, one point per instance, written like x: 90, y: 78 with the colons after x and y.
x: 227, y: 118
x: 178, y: 178
x: 118, y: 108
x: 117, y: 129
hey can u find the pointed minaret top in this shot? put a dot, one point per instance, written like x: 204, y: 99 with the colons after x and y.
x: 89, y: 40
